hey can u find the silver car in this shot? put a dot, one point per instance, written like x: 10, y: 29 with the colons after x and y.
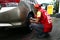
x: 15, y: 15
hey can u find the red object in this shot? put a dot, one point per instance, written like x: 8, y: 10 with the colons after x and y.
x: 37, y: 6
x: 45, y: 20
x: 17, y: 1
x: 3, y: 2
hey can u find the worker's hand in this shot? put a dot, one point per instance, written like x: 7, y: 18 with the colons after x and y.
x: 31, y: 19
x: 34, y: 20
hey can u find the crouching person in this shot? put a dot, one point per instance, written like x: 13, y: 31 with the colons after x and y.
x: 41, y: 22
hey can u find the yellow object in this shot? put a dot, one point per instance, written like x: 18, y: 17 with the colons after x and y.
x: 50, y: 9
x: 38, y: 14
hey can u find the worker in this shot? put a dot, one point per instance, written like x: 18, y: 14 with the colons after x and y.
x: 41, y: 22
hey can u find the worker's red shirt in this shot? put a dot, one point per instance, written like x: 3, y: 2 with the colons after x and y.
x: 45, y: 19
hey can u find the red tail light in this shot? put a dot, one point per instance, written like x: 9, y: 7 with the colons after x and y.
x: 4, y: 2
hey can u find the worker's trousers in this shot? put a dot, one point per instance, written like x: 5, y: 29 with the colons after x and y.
x: 37, y: 27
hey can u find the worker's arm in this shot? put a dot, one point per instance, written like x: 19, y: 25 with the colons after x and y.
x: 33, y: 20
x: 36, y: 20
x: 38, y: 17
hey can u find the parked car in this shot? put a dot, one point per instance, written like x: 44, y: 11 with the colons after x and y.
x: 16, y: 15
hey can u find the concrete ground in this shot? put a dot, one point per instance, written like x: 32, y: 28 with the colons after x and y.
x: 19, y: 34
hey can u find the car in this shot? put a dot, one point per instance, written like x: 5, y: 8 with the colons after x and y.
x: 14, y: 14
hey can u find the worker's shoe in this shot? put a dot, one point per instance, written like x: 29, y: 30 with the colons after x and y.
x: 43, y: 36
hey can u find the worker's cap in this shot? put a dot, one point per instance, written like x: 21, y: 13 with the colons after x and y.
x: 37, y: 5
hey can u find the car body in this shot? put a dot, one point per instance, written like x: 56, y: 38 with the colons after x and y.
x: 14, y: 13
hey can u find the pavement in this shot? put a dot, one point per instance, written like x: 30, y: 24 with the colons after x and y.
x: 22, y: 34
